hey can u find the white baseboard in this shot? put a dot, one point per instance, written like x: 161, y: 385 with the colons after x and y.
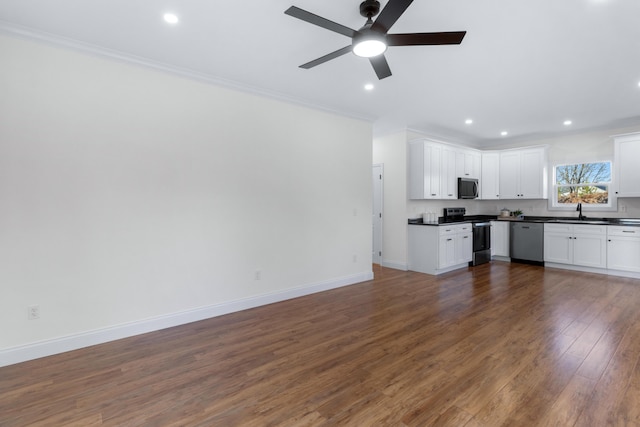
x: 620, y: 273
x: 50, y: 347
x: 395, y: 265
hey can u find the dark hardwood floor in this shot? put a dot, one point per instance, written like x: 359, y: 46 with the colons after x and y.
x: 498, y: 344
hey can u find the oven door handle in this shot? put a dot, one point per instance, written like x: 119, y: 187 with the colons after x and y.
x: 482, y: 224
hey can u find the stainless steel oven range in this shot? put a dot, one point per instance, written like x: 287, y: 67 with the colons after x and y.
x: 481, y: 243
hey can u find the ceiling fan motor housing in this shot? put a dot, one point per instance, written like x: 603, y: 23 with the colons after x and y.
x: 369, y: 8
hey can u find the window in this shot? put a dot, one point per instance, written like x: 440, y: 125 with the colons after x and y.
x: 586, y: 183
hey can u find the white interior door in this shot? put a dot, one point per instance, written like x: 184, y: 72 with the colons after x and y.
x: 378, y: 180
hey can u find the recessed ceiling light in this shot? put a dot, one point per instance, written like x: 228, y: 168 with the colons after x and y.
x: 567, y: 122
x: 468, y: 121
x: 368, y: 86
x: 170, y: 18
x: 504, y: 133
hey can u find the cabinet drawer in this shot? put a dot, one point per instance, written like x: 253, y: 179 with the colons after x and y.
x: 558, y: 228
x: 454, y: 229
x: 614, y: 230
x: 600, y: 230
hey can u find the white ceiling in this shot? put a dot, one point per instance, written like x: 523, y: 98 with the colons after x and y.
x: 524, y: 66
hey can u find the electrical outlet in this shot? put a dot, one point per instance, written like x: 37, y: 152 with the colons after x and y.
x: 258, y: 275
x: 33, y: 312
x: 623, y: 208
x: 355, y: 258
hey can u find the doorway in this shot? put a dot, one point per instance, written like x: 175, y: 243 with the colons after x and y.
x: 377, y: 176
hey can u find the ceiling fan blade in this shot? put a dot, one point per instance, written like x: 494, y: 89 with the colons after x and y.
x: 380, y: 66
x: 311, y: 18
x: 390, y: 14
x: 327, y: 57
x: 416, y: 39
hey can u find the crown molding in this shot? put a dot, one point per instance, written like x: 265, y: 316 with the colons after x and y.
x: 55, y: 40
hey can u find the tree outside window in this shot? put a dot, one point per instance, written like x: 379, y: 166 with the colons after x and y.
x: 586, y: 183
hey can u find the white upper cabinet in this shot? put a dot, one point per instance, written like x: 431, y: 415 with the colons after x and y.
x: 468, y: 164
x: 490, y: 176
x: 523, y: 173
x: 449, y: 183
x: 627, y: 153
x: 425, y: 159
x: 434, y: 169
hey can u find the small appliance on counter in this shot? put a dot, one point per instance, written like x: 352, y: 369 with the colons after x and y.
x: 429, y: 218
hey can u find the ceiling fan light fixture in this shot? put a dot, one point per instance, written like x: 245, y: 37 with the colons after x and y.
x: 368, y: 47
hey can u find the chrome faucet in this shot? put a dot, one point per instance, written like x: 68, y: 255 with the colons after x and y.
x: 579, y: 209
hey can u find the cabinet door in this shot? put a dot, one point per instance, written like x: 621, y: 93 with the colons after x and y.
x: 558, y: 248
x: 434, y: 161
x: 509, y: 175
x: 532, y: 174
x: 590, y: 250
x: 476, y: 165
x: 627, y: 153
x: 449, y: 184
x: 424, y: 170
x: 417, y: 174
x: 489, y: 180
x: 623, y: 253
x: 464, y: 248
x: 446, y: 251
x: 468, y: 164
x: 500, y: 238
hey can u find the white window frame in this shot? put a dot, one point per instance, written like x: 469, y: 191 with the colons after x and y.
x: 612, y: 206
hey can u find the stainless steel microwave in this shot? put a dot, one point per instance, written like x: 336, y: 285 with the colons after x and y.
x: 467, y: 188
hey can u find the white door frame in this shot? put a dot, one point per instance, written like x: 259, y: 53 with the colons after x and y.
x: 377, y: 217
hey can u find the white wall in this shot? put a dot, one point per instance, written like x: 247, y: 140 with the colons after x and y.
x: 391, y: 150
x: 128, y: 194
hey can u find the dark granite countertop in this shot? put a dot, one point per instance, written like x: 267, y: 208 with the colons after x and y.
x: 544, y: 219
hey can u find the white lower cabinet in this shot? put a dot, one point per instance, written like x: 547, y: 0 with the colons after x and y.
x: 623, y: 248
x: 576, y: 244
x: 438, y: 249
x: 500, y: 238
x: 455, y: 245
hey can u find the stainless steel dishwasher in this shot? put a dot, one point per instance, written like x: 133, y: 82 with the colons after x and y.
x: 526, y: 242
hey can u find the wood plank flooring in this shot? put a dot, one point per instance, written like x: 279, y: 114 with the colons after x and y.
x: 495, y: 345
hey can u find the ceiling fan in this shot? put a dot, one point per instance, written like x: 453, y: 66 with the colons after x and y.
x: 372, y: 40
